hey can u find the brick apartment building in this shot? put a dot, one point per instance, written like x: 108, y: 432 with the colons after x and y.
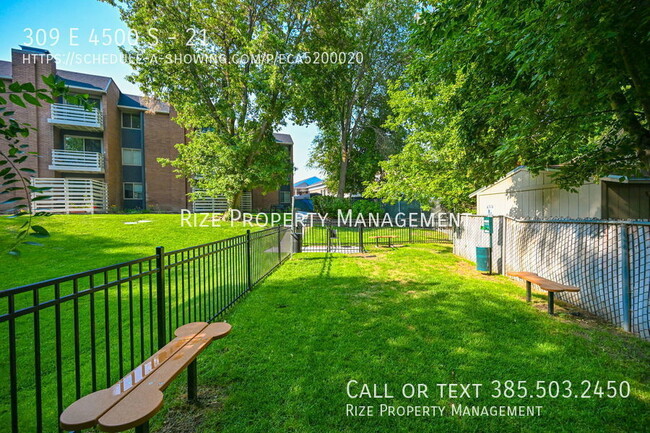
x: 106, y: 158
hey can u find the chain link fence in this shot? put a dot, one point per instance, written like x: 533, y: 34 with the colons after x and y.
x: 608, y: 260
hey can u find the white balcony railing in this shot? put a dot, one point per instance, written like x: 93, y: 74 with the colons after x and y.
x: 219, y: 204
x: 77, y: 160
x: 70, y: 195
x: 77, y: 117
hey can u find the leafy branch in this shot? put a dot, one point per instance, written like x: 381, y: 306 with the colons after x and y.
x: 14, y: 175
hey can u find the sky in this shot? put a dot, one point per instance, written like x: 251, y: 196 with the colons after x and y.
x: 38, y: 23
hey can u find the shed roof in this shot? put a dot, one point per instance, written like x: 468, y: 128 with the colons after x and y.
x: 610, y: 178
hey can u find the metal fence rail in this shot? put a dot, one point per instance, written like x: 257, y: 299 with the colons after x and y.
x: 67, y: 337
x: 608, y: 260
x: 331, y: 236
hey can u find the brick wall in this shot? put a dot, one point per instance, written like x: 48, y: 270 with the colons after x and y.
x: 29, y: 69
x: 165, y: 192
x: 113, y: 145
x: 263, y: 202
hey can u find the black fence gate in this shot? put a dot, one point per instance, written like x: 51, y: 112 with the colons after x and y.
x: 331, y: 236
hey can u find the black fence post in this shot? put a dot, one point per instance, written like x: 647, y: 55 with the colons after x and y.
x: 248, y: 259
x: 297, y: 242
x: 160, y: 296
x: 192, y: 382
x: 279, y: 245
x: 410, y: 234
x: 361, y: 239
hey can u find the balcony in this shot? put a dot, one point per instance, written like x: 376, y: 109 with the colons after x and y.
x: 70, y: 195
x: 219, y: 204
x: 77, y: 161
x: 76, y: 117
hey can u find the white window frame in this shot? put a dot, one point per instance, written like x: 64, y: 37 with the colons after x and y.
x: 130, y: 114
x: 131, y: 149
x: 132, y: 183
x: 101, y: 141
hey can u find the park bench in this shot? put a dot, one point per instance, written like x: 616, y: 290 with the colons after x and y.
x: 550, y: 286
x: 137, y: 397
x: 389, y: 237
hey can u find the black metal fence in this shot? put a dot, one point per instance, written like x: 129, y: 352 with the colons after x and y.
x: 331, y: 236
x: 63, y: 338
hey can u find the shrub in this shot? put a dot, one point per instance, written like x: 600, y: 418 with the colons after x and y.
x: 366, y: 207
x: 331, y: 205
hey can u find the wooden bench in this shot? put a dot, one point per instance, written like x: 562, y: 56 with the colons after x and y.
x: 138, y: 396
x: 550, y: 286
x: 389, y: 237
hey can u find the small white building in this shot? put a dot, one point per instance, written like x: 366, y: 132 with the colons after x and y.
x: 519, y: 194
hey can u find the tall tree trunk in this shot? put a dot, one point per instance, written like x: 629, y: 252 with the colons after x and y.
x: 233, y: 203
x: 345, y: 158
x: 342, y: 174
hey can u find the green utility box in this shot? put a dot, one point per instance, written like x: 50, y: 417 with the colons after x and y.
x: 484, y: 259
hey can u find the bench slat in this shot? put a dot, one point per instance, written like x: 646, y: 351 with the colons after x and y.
x: 86, y: 412
x: 146, y: 399
x: 543, y: 283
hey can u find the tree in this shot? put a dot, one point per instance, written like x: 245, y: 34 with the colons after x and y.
x: 527, y: 82
x: 346, y: 95
x: 373, y: 144
x: 433, y: 165
x: 16, y: 185
x: 210, y: 61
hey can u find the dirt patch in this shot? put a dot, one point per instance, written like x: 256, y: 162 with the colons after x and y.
x: 468, y: 270
x: 185, y: 417
x: 364, y: 256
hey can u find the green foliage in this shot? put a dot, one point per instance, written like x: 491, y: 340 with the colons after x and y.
x: 366, y: 207
x: 15, y: 156
x: 330, y: 205
x: 348, y: 101
x: 230, y: 106
x: 493, y: 85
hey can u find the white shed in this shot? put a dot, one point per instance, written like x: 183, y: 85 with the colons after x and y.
x: 519, y: 194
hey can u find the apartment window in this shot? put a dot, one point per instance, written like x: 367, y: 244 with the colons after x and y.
x: 133, y: 190
x: 131, y: 121
x: 131, y: 156
x: 86, y: 144
x: 285, y: 197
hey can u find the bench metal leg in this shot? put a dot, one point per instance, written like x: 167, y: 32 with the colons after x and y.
x: 142, y: 428
x: 528, y: 291
x: 191, y: 381
x: 551, y: 295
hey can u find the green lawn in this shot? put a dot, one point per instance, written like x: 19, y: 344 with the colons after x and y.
x: 83, y: 242
x: 124, y: 312
x: 411, y: 315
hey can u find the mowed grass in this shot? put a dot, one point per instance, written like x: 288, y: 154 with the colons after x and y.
x: 83, y: 242
x: 411, y: 315
x: 117, y: 322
